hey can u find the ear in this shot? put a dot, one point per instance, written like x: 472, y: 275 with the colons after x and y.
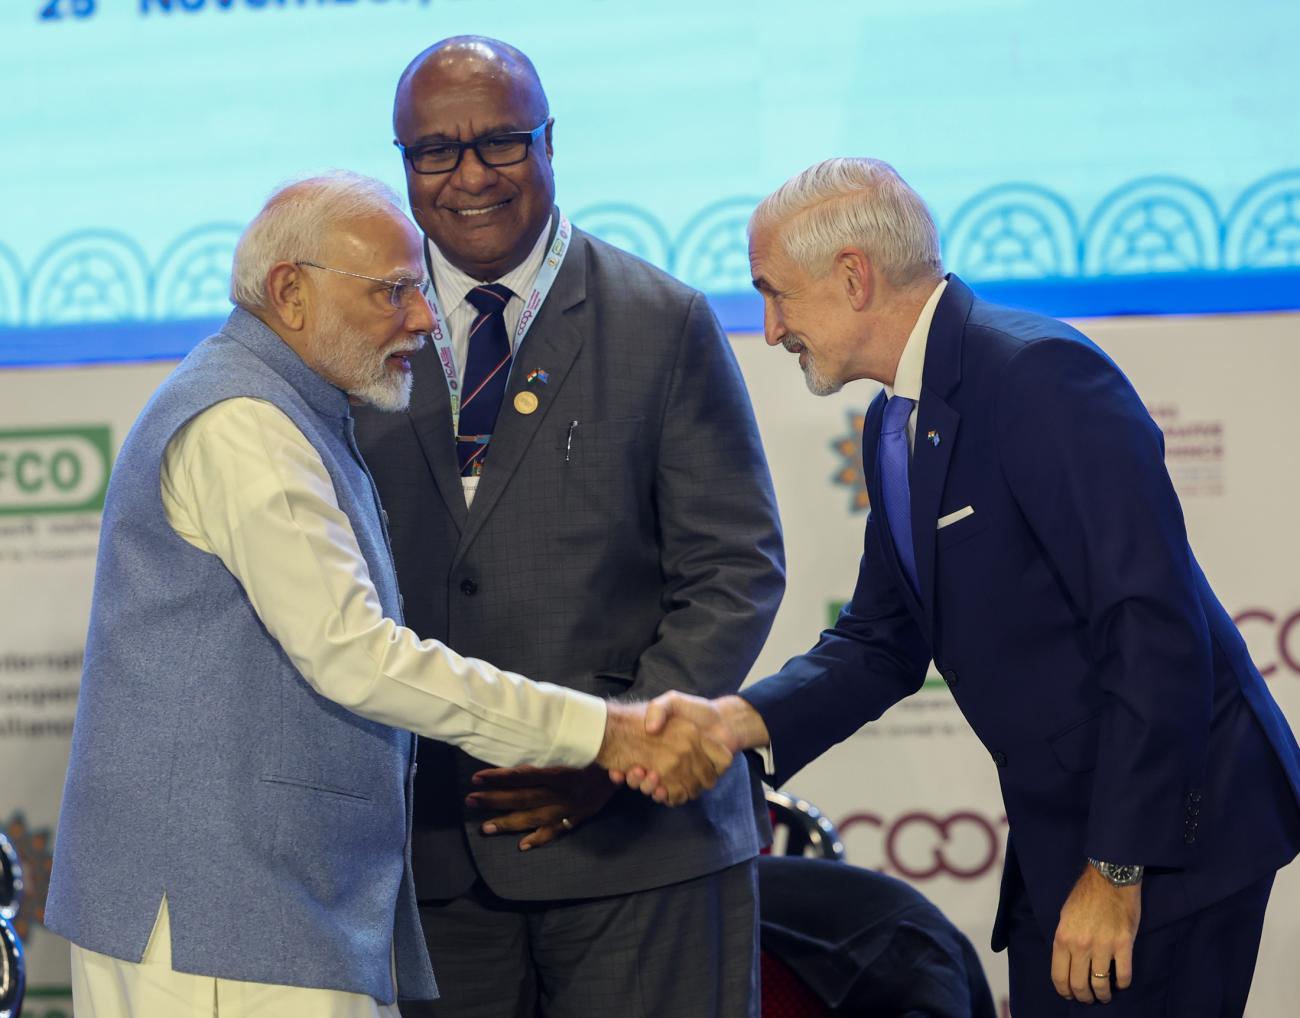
x: 284, y: 295
x: 854, y: 269
x: 550, y: 149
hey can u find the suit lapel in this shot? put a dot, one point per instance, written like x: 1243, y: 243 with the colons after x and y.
x: 926, y: 479
x: 936, y: 430
x: 552, y: 344
x: 430, y: 417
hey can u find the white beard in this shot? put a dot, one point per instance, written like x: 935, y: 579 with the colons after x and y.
x: 345, y: 357
x: 818, y: 383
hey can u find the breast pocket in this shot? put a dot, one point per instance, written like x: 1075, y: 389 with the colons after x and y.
x: 959, y: 530
x: 600, y: 465
x: 598, y: 443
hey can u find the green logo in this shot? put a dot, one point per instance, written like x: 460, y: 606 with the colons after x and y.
x: 54, y: 470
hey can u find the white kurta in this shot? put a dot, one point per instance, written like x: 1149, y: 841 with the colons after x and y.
x: 240, y: 481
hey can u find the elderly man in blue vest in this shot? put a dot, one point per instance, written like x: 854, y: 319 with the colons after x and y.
x: 234, y: 838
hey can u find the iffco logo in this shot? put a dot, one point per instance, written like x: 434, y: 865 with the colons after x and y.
x: 53, y: 470
x: 964, y: 845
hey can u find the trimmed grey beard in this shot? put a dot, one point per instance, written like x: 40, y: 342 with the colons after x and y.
x: 344, y: 356
x: 818, y: 384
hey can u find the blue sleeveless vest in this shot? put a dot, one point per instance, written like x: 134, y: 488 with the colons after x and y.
x: 204, y: 767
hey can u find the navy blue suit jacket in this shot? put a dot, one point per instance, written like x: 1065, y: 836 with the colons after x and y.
x: 1070, y: 619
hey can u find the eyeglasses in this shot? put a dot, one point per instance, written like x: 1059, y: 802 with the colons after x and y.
x: 401, y: 292
x: 494, y: 150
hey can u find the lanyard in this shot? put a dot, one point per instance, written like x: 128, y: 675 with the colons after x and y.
x: 441, y: 334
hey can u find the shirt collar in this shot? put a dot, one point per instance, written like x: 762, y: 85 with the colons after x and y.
x: 452, y: 284
x: 907, y: 378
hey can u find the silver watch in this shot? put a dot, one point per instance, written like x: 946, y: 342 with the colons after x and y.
x: 1117, y: 873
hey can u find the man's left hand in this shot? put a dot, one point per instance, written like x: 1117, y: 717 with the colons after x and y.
x: 1099, y: 922
x: 547, y: 802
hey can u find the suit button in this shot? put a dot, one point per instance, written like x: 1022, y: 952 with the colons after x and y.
x: 999, y: 758
x: 950, y: 677
x: 468, y: 587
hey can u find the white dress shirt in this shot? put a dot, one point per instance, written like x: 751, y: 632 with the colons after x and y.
x: 452, y: 286
x: 911, y: 363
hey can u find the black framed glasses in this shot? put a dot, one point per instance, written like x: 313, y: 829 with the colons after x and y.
x: 401, y: 292
x: 493, y: 150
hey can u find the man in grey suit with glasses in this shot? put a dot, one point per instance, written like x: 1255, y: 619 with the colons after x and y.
x: 579, y: 492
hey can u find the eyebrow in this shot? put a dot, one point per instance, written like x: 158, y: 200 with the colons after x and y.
x: 442, y: 138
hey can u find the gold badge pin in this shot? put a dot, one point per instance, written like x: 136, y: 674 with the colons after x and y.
x: 526, y: 402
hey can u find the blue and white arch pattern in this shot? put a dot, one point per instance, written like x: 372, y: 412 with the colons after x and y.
x: 1014, y: 231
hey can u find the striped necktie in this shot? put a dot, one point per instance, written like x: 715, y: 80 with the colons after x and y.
x: 487, y: 369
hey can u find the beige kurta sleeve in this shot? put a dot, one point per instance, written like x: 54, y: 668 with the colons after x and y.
x: 241, y: 482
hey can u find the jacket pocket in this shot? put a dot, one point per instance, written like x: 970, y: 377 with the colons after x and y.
x: 315, y: 786
x: 604, y: 473
x: 597, y: 441
x: 1075, y: 747
x: 960, y: 530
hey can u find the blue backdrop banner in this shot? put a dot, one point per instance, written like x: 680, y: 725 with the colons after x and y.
x: 1112, y: 158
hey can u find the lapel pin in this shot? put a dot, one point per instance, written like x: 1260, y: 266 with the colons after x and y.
x: 932, y: 437
x: 526, y: 402
x: 537, y: 375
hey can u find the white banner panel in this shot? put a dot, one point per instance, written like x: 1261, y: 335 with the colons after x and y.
x: 59, y: 433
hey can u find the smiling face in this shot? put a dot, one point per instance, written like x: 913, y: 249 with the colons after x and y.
x: 483, y: 219
x: 810, y: 317
x: 356, y: 339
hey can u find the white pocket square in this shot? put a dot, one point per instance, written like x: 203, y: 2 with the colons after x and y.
x: 951, y: 518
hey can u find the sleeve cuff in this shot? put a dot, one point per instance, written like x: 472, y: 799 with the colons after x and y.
x: 581, y: 731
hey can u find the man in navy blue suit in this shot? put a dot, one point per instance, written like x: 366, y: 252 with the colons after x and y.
x: 1025, y: 535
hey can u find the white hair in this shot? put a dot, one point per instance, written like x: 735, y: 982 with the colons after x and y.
x: 854, y: 202
x: 294, y: 223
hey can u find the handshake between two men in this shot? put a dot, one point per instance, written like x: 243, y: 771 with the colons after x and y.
x: 671, y: 749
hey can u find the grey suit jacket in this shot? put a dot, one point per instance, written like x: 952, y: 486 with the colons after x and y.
x: 634, y: 552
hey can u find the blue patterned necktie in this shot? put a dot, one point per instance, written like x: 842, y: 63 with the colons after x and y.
x: 894, y: 457
x: 487, y: 369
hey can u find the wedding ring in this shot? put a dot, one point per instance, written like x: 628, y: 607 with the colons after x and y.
x: 1101, y: 975
x: 566, y: 823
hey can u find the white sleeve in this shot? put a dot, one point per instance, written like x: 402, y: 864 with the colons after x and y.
x: 241, y: 482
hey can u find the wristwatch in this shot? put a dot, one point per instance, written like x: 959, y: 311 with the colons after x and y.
x: 1117, y: 873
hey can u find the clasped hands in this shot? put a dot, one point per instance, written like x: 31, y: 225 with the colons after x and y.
x: 672, y: 749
